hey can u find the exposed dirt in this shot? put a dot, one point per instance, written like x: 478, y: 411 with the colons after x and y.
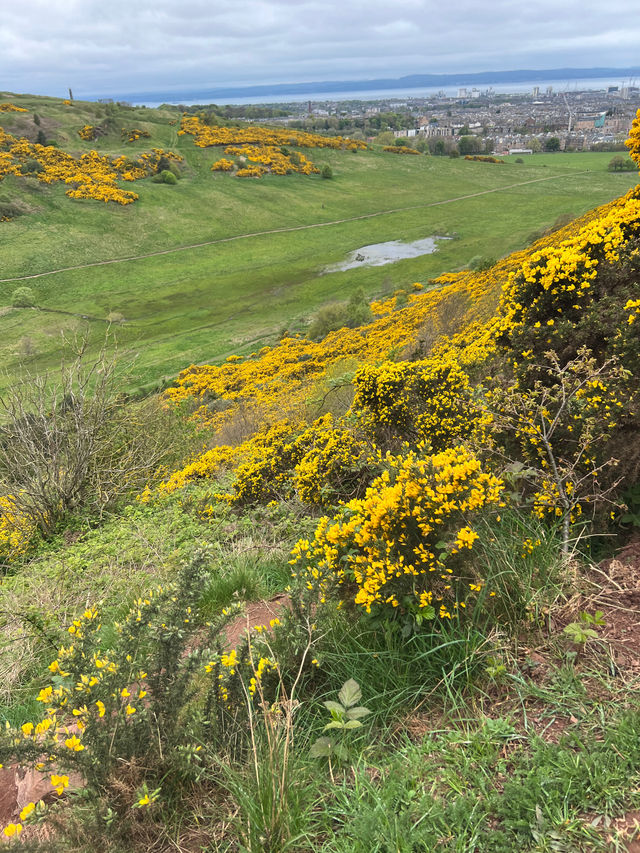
x: 256, y: 613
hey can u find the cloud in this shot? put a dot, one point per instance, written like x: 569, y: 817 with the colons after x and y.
x: 112, y: 47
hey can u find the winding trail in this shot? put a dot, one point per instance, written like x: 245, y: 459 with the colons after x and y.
x: 289, y: 229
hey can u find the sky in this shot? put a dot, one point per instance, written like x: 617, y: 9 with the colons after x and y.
x: 109, y: 48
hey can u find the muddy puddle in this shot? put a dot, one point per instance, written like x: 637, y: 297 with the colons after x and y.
x: 379, y: 254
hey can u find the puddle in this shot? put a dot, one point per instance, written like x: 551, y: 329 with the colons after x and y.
x: 379, y: 254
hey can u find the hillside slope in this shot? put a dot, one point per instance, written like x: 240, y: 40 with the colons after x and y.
x: 428, y: 519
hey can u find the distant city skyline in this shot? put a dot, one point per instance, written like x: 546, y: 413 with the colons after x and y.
x: 115, y: 47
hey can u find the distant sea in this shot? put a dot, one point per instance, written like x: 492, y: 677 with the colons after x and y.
x: 504, y: 88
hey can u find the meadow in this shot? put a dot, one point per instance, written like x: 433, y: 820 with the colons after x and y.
x: 193, y: 305
x: 373, y: 590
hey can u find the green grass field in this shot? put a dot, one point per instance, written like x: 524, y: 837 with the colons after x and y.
x: 201, y: 304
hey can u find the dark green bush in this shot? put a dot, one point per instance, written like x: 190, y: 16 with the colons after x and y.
x: 23, y: 297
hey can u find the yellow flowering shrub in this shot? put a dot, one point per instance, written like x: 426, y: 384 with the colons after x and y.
x: 16, y: 532
x: 338, y: 464
x: 430, y: 400
x: 320, y: 464
x: 555, y: 298
x: 206, y: 465
x: 633, y: 142
x: 125, y: 698
x: 90, y: 176
x: 263, y: 147
x: 399, y: 149
x: 264, y: 473
x: 222, y: 165
x: 396, y: 547
x: 206, y: 135
x: 134, y: 134
x: 11, y: 108
x: 88, y: 133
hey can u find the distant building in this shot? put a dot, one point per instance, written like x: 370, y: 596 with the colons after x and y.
x: 520, y: 151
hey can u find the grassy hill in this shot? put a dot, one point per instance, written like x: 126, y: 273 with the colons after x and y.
x: 376, y: 591
x: 204, y: 303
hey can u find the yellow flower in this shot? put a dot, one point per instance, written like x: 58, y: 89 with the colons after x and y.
x: 74, y: 744
x: 12, y: 829
x: 59, y: 782
x: 26, y: 811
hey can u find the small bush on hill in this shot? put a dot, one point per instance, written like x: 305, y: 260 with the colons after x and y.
x: 339, y: 315
x: 23, y: 297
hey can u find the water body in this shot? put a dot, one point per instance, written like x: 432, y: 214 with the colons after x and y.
x: 520, y: 87
x: 379, y: 254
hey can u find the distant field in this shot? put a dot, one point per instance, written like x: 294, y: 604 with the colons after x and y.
x: 204, y: 303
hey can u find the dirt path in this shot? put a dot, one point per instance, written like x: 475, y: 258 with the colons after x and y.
x: 288, y: 229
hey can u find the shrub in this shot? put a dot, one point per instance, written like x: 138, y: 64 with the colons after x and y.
x: 70, y: 442
x: 326, y: 172
x: 340, y: 315
x: 621, y: 164
x: 168, y: 177
x: 23, y: 297
x: 430, y: 400
x: 396, y: 548
x: 143, y: 698
x: 32, y: 167
x: 320, y: 464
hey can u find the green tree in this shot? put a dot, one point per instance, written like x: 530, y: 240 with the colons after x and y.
x: 621, y: 164
x: 469, y: 145
x: 552, y: 144
x: 386, y: 138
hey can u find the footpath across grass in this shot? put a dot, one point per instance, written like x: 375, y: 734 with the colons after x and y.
x: 209, y: 302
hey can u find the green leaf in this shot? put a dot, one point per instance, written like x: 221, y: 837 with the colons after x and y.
x: 352, y: 724
x: 350, y: 693
x: 336, y: 708
x: 340, y: 751
x: 322, y: 748
x: 357, y: 713
x: 335, y: 724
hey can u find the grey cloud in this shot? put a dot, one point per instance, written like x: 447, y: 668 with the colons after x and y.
x: 114, y: 46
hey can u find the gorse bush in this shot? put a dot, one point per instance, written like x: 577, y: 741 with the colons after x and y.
x: 320, y: 464
x: 130, y: 710
x: 431, y: 400
x: 397, y: 546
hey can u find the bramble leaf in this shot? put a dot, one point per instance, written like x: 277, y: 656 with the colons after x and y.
x: 350, y: 693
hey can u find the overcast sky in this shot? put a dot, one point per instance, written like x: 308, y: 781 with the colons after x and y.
x: 108, y: 48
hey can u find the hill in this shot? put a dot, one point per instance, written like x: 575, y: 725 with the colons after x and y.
x: 215, y: 299
x: 378, y: 592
